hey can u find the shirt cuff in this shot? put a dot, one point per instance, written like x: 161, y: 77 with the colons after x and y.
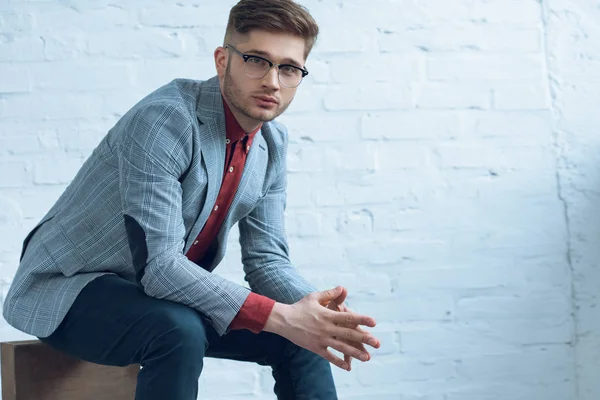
x: 254, y: 313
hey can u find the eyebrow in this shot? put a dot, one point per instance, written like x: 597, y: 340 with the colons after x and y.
x: 267, y: 55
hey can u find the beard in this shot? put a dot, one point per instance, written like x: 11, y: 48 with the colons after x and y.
x: 242, y: 103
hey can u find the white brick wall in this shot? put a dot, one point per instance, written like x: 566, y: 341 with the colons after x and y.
x: 444, y: 165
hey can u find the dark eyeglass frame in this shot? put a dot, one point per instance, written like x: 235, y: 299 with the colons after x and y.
x: 246, y: 57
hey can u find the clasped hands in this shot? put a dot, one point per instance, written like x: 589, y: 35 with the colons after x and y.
x: 320, y: 321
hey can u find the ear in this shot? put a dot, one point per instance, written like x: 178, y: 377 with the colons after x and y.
x: 221, y: 57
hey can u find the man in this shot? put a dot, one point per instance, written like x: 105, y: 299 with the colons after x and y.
x: 120, y: 269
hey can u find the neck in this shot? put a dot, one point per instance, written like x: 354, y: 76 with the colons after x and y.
x: 247, y: 124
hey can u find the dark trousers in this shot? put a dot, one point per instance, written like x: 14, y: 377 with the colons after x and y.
x: 113, y: 322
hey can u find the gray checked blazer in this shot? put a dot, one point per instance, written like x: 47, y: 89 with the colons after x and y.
x: 140, y: 200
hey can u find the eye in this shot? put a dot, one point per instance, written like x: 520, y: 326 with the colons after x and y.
x: 256, y: 61
x: 289, y: 70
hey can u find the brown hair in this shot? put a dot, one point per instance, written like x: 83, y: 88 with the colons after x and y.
x: 273, y: 16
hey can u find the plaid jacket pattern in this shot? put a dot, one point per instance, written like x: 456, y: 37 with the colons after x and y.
x: 140, y: 200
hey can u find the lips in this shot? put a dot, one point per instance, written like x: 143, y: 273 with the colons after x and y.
x: 268, y: 99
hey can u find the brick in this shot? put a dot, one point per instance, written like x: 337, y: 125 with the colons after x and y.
x: 518, y: 127
x: 10, y: 211
x: 522, y: 331
x: 308, y: 99
x: 16, y: 22
x: 329, y: 196
x: 321, y: 128
x: 376, y: 68
x: 304, y: 224
x: 351, y: 98
x: 514, y: 12
x: 21, y: 49
x: 454, y: 278
x: 69, y: 45
x: 532, y: 96
x: 343, y: 39
x: 20, y: 145
x: 34, y: 201
x: 80, y: 76
x: 355, y: 223
x: 442, y: 95
x: 389, y: 340
x: 302, y: 158
x: 117, y: 102
x: 484, y: 67
x: 411, y: 125
x: 298, y: 194
x: 407, y: 307
x: 316, y: 254
x: 56, y: 170
x: 319, y: 71
x: 142, y: 44
x: 149, y: 76
x: 12, y: 242
x: 180, y: 16
x: 19, y: 81
x: 364, y: 188
x: 492, y: 156
x: 485, y: 38
x: 450, y: 341
x: 15, y: 173
x: 479, y: 183
x: 82, y: 17
x: 550, y: 305
x: 522, y: 366
x: 378, y: 373
x: 80, y: 139
x: 401, y: 155
x: 52, y: 106
x: 351, y: 157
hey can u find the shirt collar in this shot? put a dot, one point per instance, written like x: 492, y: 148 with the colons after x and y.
x: 234, y: 131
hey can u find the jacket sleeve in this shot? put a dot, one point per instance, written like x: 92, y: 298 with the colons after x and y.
x: 154, y: 152
x: 265, y: 252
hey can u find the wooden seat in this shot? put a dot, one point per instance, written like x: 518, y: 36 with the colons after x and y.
x: 32, y: 370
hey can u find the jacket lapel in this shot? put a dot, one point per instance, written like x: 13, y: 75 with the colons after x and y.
x: 212, y: 146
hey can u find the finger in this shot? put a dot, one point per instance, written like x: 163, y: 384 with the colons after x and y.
x: 354, y: 336
x: 348, y: 350
x: 336, y: 307
x: 376, y: 344
x: 348, y: 360
x: 336, y: 303
x: 360, y: 347
x: 335, y: 360
x: 351, y: 318
x: 326, y: 296
x: 342, y: 297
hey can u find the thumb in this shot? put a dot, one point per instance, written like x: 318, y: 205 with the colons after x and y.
x: 339, y: 300
x: 326, y: 296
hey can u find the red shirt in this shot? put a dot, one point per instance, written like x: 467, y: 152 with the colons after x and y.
x: 256, y: 309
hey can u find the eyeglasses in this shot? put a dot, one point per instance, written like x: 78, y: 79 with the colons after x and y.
x: 257, y: 67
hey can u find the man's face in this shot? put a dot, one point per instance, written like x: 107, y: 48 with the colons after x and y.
x: 266, y: 98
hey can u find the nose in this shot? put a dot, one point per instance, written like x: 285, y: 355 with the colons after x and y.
x: 271, y: 79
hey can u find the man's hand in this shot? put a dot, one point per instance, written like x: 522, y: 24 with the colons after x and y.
x: 338, y: 304
x: 314, y: 327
